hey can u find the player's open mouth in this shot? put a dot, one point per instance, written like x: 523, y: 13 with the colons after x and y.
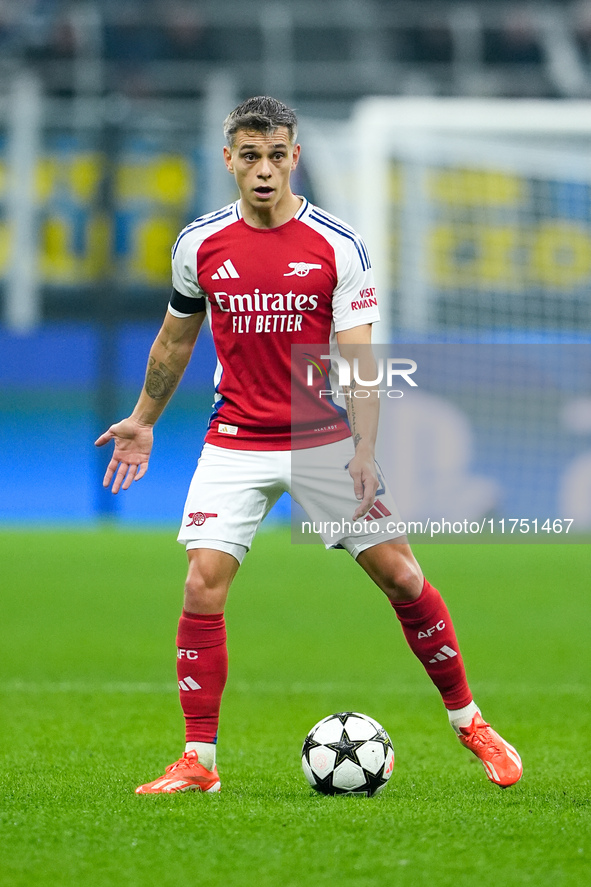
x: 263, y: 191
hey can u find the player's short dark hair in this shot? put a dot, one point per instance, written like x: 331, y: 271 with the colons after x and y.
x: 261, y: 114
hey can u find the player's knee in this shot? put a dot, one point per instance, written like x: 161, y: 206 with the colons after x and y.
x: 404, y: 582
x: 195, y: 587
x: 395, y: 570
x: 204, y: 593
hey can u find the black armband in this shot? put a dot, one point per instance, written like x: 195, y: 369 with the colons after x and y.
x: 186, y: 304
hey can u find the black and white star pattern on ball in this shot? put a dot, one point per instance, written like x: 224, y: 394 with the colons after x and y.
x: 308, y: 745
x: 347, y: 753
x: 345, y: 748
x: 382, y: 736
x: 375, y: 781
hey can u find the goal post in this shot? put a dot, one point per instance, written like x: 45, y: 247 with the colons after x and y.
x: 477, y: 214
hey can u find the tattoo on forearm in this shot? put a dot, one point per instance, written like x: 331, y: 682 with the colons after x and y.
x: 160, y: 381
x: 350, y: 401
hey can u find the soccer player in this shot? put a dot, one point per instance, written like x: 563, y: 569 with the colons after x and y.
x: 269, y: 271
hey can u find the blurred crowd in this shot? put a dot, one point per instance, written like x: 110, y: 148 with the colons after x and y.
x: 132, y: 35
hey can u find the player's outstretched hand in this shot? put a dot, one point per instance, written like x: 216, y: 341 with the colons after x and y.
x: 133, y: 445
x: 365, y: 483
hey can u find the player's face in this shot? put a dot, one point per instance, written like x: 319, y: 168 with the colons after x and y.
x: 262, y: 165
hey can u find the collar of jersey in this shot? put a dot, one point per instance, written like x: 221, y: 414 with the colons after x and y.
x: 303, y: 209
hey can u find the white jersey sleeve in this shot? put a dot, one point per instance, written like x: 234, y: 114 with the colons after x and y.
x: 187, y: 296
x: 354, y: 300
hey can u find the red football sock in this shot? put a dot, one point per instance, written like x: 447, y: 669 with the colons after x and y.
x: 430, y: 634
x: 202, y: 669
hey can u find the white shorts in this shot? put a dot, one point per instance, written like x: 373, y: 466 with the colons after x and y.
x: 233, y: 490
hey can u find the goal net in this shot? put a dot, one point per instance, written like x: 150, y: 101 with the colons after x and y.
x: 477, y: 214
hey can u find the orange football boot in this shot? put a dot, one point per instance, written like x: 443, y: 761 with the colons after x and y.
x: 501, y: 762
x: 185, y: 775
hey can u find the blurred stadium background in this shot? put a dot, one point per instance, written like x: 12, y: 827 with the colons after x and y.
x: 455, y: 135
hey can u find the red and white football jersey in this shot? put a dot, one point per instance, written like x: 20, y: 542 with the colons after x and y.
x: 264, y: 290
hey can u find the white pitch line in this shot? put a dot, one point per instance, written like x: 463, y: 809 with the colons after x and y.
x: 286, y: 688
x: 86, y: 687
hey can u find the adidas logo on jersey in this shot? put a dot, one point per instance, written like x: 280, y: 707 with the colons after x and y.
x: 224, y: 271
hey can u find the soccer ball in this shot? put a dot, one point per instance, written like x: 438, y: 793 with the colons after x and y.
x: 348, y: 753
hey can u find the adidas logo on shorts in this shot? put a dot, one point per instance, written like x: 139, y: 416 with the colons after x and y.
x: 377, y: 511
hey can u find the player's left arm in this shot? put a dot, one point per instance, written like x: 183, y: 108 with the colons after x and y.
x: 362, y: 411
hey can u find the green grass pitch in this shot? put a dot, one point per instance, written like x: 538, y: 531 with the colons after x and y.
x: 89, y: 710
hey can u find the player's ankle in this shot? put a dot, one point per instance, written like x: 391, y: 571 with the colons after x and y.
x: 205, y: 753
x: 462, y: 717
